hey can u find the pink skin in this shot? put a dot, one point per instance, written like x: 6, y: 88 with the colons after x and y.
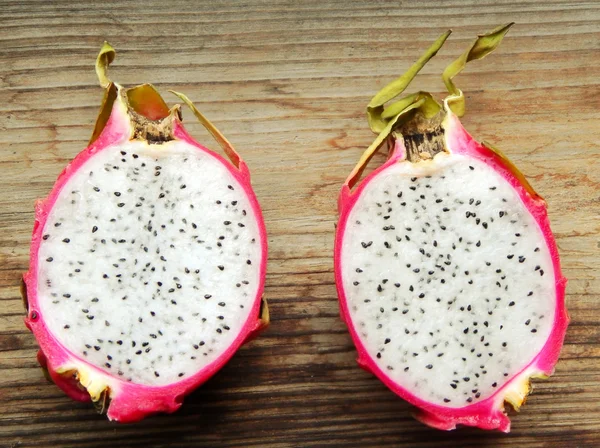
x: 130, y: 402
x: 488, y: 413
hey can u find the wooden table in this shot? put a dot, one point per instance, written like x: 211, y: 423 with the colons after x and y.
x: 288, y: 83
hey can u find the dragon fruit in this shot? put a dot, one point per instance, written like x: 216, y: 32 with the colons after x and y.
x: 447, y: 272
x: 147, y: 261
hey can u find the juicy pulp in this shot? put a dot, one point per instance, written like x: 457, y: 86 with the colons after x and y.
x: 434, y: 279
x: 132, y: 261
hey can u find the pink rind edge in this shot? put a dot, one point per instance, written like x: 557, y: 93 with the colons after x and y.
x: 132, y: 402
x: 488, y: 413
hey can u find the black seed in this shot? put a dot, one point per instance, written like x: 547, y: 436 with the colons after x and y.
x: 511, y: 304
x: 534, y: 330
x: 207, y: 296
x: 429, y: 366
x: 521, y: 259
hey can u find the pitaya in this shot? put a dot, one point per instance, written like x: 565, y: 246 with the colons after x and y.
x: 447, y: 272
x: 147, y: 261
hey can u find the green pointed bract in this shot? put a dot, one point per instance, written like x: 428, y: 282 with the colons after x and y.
x: 483, y: 45
x: 105, y: 57
x: 375, y: 108
x: 212, y: 129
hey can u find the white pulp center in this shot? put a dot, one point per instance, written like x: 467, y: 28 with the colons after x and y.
x: 150, y: 261
x: 448, y: 279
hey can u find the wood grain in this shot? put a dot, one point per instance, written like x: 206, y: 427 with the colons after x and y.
x: 288, y: 83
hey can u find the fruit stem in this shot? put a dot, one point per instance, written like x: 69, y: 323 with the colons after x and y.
x: 423, y: 137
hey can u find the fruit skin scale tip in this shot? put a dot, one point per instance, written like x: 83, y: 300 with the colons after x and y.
x: 393, y: 129
x: 118, y: 122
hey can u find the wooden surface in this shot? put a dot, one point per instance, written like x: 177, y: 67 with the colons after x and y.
x: 288, y: 83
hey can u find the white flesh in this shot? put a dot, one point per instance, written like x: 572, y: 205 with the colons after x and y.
x: 142, y: 279
x: 435, y: 330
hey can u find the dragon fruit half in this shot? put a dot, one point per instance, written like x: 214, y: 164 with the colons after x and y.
x: 147, y: 261
x: 447, y: 271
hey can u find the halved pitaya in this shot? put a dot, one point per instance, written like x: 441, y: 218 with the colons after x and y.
x: 447, y: 271
x: 148, y: 259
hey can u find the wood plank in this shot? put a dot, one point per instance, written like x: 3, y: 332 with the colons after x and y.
x: 288, y: 83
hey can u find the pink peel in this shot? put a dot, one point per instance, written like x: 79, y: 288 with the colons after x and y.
x: 129, y: 402
x: 488, y: 413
